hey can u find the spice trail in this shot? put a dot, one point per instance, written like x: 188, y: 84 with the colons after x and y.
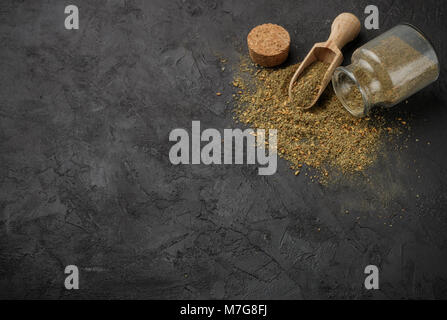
x: 325, y: 137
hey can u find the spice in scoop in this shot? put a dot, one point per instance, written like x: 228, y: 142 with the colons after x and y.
x: 306, y: 88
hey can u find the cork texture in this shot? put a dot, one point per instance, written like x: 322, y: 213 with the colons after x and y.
x: 268, y: 44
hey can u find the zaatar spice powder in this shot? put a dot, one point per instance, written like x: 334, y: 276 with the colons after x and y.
x: 324, y: 137
x: 308, y: 84
x: 385, y: 84
x: 354, y: 98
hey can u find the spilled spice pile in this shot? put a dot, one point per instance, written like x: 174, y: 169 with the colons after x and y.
x: 308, y: 84
x: 324, y: 137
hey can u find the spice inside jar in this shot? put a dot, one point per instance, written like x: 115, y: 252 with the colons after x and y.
x: 386, y: 70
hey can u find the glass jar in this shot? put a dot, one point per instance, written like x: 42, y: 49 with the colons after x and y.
x: 386, y: 70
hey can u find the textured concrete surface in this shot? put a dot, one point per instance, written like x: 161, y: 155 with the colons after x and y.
x: 85, y: 177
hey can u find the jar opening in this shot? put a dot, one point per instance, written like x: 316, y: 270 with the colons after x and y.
x: 349, y: 92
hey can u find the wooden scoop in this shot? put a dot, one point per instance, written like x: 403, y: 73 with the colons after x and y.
x: 345, y: 28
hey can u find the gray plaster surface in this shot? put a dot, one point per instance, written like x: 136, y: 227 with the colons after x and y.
x: 85, y: 177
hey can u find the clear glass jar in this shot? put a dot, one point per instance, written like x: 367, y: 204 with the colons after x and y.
x: 386, y: 70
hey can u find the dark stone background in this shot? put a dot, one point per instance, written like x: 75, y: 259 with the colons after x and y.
x: 85, y: 177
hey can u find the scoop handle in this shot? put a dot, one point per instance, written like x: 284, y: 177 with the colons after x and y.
x: 345, y: 28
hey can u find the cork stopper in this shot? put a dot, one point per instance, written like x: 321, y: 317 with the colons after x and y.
x: 268, y: 44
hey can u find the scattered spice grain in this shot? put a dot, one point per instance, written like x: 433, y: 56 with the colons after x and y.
x: 326, y: 137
